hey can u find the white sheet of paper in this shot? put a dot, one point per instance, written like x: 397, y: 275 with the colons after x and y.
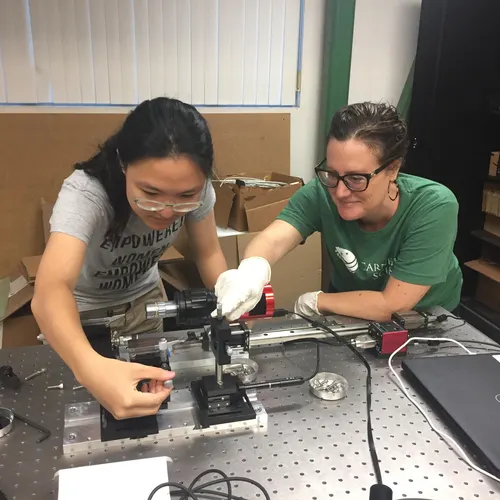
x: 127, y: 480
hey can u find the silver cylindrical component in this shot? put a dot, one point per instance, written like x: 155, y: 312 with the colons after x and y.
x: 167, y: 309
x: 219, y: 374
x: 163, y: 348
x: 35, y: 374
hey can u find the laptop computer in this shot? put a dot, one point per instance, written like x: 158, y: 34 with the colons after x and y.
x: 465, y: 390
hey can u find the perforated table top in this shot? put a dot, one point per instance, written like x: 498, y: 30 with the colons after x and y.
x: 313, y: 449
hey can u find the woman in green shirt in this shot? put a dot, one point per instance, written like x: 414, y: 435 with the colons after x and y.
x: 389, y: 235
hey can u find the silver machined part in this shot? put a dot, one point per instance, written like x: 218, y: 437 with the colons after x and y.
x: 219, y: 372
x: 271, y: 331
x: 163, y: 348
x: 364, y: 342
x: 167, y: 309
x: 35, y: 374
x: 58, y: 386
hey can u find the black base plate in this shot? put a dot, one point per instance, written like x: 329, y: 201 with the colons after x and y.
x: 130, y: 428
x: 221, y: 404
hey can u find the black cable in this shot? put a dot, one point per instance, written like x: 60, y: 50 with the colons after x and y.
x: 444, y: 317
x: 435, y: 343
x: 219, y: 494
x: 371, y: 442
x: 205, y: 473
x: 283, y: 382
x: 318, y: 359
x: 201, y: 489
x: 171, y: 484
x: 446, y: 330
x: 235, y: 479
x: 479, y: 342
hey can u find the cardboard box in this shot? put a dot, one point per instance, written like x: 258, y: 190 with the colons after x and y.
x: 47, y: 208
x: 171, y: 254
x: 29, y: 267
x: 180, y: 275
x: 251, y: 208
x: 19, y: 331
x: 488, y: 292
x: 491, y: 200
x: 492, y: 224
x: 17, y: 325
x: 494, y: 164
x: 488, y: 285
x: 227, y: 243
x: 19, y: 292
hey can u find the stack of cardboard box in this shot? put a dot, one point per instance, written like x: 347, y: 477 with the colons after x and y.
x: 488, y: 266
x: 244, y: 206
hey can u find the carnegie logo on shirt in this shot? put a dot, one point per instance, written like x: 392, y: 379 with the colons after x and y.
x: 374, y: 270
x: 348, y: 258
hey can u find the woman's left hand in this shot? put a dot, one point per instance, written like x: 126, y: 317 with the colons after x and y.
x: 307, y: 304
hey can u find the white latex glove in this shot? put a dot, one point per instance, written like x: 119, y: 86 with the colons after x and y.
x: 239, y: 290
x: 307, y: 304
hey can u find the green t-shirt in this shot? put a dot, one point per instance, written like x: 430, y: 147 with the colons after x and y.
x: 416, y: 245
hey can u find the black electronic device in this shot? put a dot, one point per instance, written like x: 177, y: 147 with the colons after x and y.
x: 466, y: 391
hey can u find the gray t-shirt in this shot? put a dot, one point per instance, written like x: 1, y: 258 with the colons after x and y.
x: 114, y: 272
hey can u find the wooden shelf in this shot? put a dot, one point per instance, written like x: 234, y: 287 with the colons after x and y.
x: 489, y: 269
x: 487, y: 237
x: 493, y: 178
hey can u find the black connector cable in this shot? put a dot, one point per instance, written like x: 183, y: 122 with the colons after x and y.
x: 444, y: 317
x: 289, y: 381
x: 205, y: 473
x: 382, y: 495
x: 192, y: 492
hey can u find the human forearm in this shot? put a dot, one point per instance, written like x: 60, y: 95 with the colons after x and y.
x: 262, y: 246
x: 56, y: 312
x: 211, y: 267
x: 362, y: 304
x: 274, y: 242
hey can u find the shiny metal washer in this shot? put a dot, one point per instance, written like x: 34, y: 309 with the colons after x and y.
x: 6, y: 421
x: 245, y: 369
x: 329, y: 386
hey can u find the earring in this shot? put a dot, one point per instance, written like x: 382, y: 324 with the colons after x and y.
x: 389, y: 190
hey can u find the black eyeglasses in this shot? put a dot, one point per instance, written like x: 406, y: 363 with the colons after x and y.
x: 353, y: 182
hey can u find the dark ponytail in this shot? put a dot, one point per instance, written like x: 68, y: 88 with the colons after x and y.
x: 157, y: 128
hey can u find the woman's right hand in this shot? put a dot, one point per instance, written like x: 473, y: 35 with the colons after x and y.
x: 114, y: 384
x: 239, y: 290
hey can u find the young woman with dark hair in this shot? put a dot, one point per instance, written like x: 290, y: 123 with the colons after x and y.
x: 115, y: 216
x: 389, y: 235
